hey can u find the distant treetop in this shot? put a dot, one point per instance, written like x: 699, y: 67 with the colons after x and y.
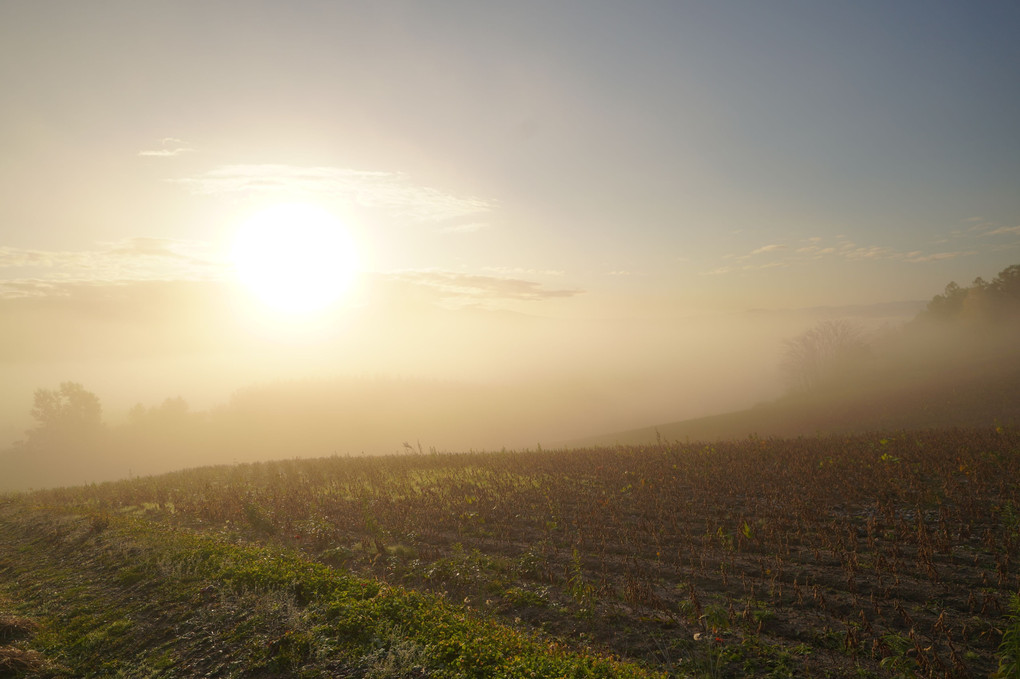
x: 981, y: 301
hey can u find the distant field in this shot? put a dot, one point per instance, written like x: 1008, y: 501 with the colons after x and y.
x: 844, y: 556
x: 968, y: 395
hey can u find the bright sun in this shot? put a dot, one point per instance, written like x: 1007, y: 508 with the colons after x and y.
x: 295, y: 257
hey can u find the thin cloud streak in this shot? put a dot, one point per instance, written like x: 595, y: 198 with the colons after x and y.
x: 768, y: 248
x: 390, y: 191
x: 815, y: 248
x: 1004, y: 230
x: 469, y: 288
x: 520, y: 271
x: 171, y: 147
x: 132, y: 259
x: 938, y: 256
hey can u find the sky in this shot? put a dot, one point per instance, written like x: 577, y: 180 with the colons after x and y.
x: 599, y: 194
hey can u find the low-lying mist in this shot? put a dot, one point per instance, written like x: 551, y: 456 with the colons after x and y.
x: 957, y: 363
x: 199, y: 384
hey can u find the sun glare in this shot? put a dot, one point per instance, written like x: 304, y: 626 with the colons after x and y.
x: 294, y: 257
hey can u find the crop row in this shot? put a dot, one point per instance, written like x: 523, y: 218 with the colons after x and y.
x: 880, y: 553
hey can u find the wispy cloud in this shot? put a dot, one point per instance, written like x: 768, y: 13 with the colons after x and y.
x: 1014, y: 230
x: 27, y: 287
x: 774, y: 249
x: 765, y: 249
x: 469, y: 288
x: 768, y: 248
x: 982, y: 228
x: 154, y: 247
x: 936, y: 256
x: 815, y: 248
x: 19, y: 258
x: 521, y: 271
x: 133, y: 259
x: 850, y: 251
x: 169, y: 147
x: 872, y: 252
x: 390, y: 191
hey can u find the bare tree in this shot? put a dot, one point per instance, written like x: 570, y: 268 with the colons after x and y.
x: 824, y: 352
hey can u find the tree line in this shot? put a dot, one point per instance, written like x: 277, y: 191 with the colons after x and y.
x: 986, y: 313
x: 981, y: 301
x: 69, y: 438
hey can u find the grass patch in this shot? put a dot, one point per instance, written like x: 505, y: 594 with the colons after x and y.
x: 21, y: 662
x: 886, y: 553
x: 212, y: 605
x: 13, y: 628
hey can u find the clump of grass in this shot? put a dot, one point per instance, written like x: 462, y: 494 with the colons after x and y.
x: 396, y: 657
x: 14, y: 627
x: 18, y: 662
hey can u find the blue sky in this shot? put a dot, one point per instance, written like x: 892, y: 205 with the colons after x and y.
x: 573, y: 161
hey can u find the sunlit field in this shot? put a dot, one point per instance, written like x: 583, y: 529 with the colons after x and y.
x: 521, y: 340
x: 870, y: 555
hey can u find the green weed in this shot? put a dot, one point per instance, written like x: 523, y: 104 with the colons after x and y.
x: 1009, y: 649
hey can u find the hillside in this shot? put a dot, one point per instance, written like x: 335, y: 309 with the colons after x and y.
x: 957, y: 399
x: 85, y: 594
x: 840, y: 556
x: 957, y: 364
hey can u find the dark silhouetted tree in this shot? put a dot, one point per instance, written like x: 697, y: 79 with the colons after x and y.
x: 981, y: 302
x: 1007, y: 288
x: 949, y: 304
x: 819, y: 355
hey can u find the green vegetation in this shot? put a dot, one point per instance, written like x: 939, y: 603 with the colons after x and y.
x: 868, y: 555
x: 1009, y: 650
x: 130, y: 598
